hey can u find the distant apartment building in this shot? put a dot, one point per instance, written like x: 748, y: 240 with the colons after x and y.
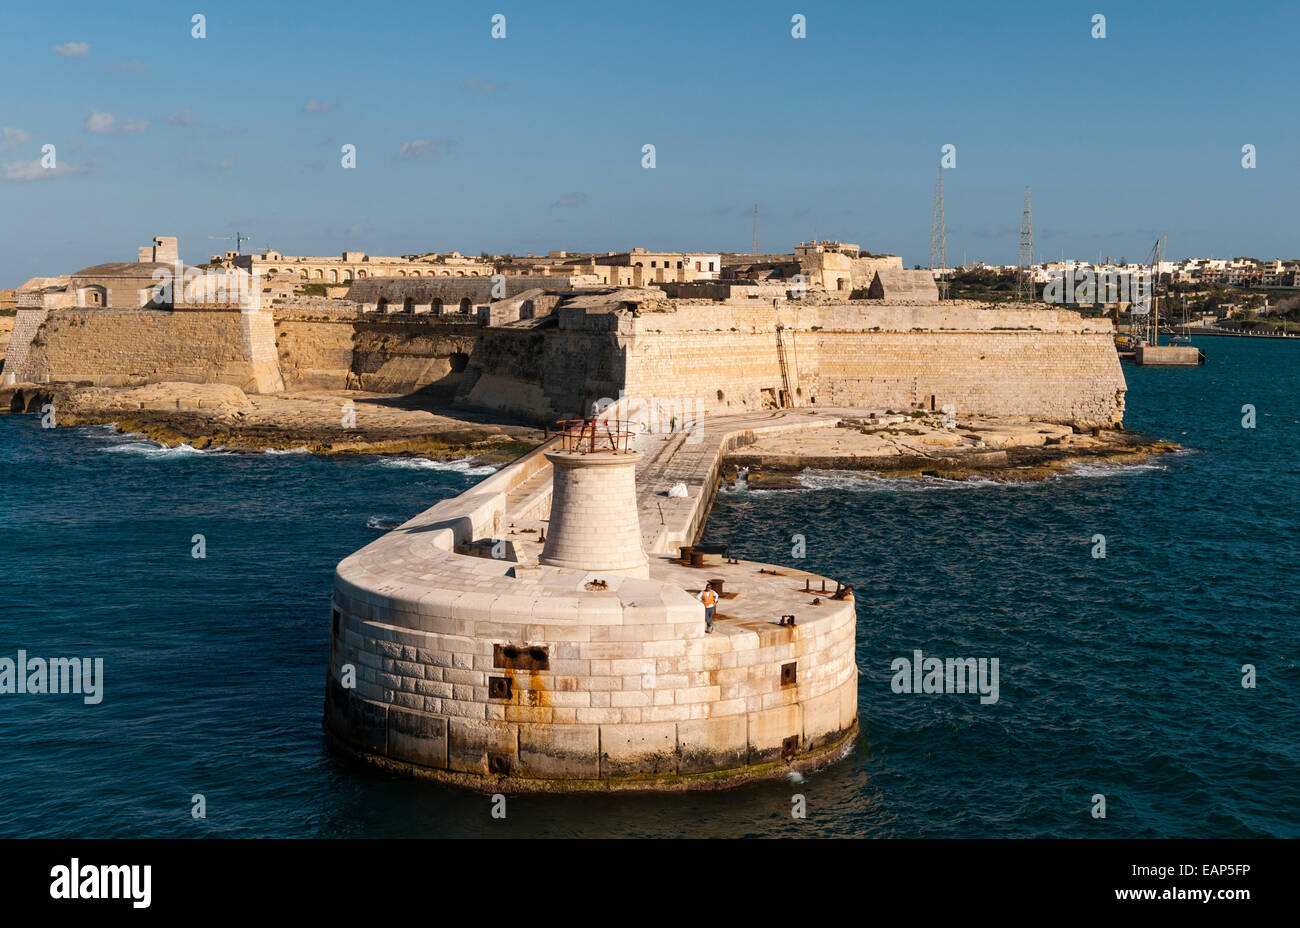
x: 664, y: 266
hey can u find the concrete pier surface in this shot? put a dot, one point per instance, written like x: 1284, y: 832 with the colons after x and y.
x: 1168, y: 355
x: 461, y: 652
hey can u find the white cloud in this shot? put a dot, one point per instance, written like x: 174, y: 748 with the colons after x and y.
x: 73, y: 49
x: 421, y: 148
x: 183, y: 118
x: 12, y: 138
x: 317, y: 106
x: 107, y: 124
x: 32, y: 170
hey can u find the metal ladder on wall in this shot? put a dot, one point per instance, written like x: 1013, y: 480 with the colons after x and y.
x: 787, y: 395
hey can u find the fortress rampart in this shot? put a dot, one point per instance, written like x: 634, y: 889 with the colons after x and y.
x: 127, y: 347
x: 1046, y: 363
x: 722, y: 357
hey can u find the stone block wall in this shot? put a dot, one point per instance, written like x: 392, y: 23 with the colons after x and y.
x: 27, y: 323
x: 315, y: 353
x: 628, y: 692
x: 1046, y: 363
x: 111, y: 347
x: 335, y: 351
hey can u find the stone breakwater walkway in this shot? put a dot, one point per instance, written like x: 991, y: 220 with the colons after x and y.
x: 477, y: 664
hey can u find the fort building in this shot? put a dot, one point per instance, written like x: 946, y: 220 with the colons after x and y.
x: 351, y: 265
x: 547, y: 347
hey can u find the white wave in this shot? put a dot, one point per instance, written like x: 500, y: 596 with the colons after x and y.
x: 157, y: 451
x: 287, y: 451
x: 1111, y: 469
x: 383, y: 524
x: 867, y: 482
x: 466, y: 466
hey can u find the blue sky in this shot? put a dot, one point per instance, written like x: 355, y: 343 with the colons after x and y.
x: 533, y: 142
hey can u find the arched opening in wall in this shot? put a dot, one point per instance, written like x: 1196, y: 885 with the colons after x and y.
x: 460, y: 273
x: 96, y: 296
x: 303, y: 274
x: 271, y: 272
x: 526, y: 309
x: 334, y: 277
x: 435, y: 307
x: 347, y: 275
x: 319, y: 275
x: 361, y: 273
x: 401, y: 273
x: 458, y: 361
x: 466, y: 305
x: 382, y: 305
x: 408, y: 305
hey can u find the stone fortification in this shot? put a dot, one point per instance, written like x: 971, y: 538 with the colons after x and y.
x: 129, y: 347
x: 546, y: 354
x: 1044, y: 363
x: 337, y: 351
x: 426, y: 294
x: 510, y: 673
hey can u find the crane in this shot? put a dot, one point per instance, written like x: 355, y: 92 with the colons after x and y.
x: 237, y: 238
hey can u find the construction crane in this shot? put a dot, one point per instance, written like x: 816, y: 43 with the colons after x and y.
x: 237, y: 238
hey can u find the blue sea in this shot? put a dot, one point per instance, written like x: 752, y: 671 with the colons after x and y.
x: 1119, y: 676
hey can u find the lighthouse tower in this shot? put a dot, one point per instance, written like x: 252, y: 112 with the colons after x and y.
x: 594, y: 524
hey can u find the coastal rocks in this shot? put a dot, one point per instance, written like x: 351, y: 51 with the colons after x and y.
x: 1006, y: 449
x: 24, y: 397
x: 215, y: 399
x: 326, y: 422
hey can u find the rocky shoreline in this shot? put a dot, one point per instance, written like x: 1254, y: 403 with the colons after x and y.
x: 917, y: 444
x: 208, y: 416
x: 927, y: 445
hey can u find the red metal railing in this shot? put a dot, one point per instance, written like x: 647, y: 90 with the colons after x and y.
x: 587, y: 436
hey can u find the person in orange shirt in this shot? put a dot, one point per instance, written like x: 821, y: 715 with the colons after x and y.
x: 710, y: 600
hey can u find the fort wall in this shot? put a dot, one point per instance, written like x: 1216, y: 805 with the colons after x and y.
x: 129, y: 347
x: 1045, y: 363
x: 715, y: 356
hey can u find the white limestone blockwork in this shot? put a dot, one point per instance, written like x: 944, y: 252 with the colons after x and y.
x: 593, y: 513
x: 465, y: 648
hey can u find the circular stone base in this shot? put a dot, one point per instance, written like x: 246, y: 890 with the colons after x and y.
x: 821, y: 756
